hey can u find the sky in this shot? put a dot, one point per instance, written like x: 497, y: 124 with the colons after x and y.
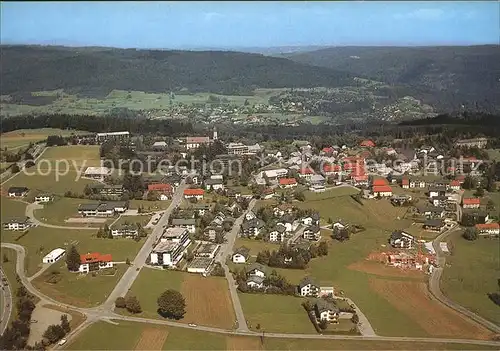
x: 249, y: 24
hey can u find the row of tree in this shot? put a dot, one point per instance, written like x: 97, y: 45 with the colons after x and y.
x: 292, y: 257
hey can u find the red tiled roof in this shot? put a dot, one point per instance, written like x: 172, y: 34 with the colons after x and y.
x: 327, y: 150
x: 331, y: 168
x: 197, y: 140
x: 471, y: 201
x: 455, y: 182
x: 406, y: 181
x: 379, y: 182
x: 287, y: 181
x: 488, y: 226
x: 367, y: 143
x: 360, y: 177
x: 160, y: 187
x: 95, y: 257
x: 194, y: 192
x: 306, y: 171
x: 382, y: 189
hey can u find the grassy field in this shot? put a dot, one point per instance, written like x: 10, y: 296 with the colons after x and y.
x: 129, y: 336
x: 149, y: 205
x: 330, y: 193
x: 62, y: 208
x: 22, y: 137
x: 11, y: 208
x: 255, y: 246
x: 468, y: 284
x: 51, y: 174
x: 82, y: 290
x: 143, y: 220
x: 39, y: 241
x: 276, y: 313
x: 134, y: 100
x: 207, y: 299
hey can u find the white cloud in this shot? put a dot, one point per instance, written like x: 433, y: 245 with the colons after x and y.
x: 422, y: 14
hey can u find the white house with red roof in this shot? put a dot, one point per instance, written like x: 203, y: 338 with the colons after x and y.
x: 491, y: 229
x: 454, y: 185
x: 288, y: 182
x: 94, y: 261
x: 306, y: 173
x: 471, y: 202
x: 194, y: 193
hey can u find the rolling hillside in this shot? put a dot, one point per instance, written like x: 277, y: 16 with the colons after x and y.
x: 443, y: 74
x: 97, y: 71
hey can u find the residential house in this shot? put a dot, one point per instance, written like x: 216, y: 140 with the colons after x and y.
x: 432, y: 212
x: 382, y: 191
x: 471, y: 202
x: 257, y: 269
x: 214, y: 184
x: 108, y: 190
x: 252, y: 227
x: 97, y: 173
x: 289, y: 223
x: 278, y: 234
x: 439, y: 201
x: 401, y: 239
x: 367, y: 143
x: 312, y: 233
x: 417, y: 183
x: 488, y: 229
x: 102, y: 209
x: 17, y: 191
x: 307, y: 287
x: 283, y: 209
x: 163, y: 189
x: 101, y: 137
x: 287, y: 183
x: 255, y: 282
x: 17, y: 224
x: 331, y: 170
x: 250, y: 215
x: 437, y: 191
x: 125, y: 230
x: 306, y: 173
x: 207, y: 250
x: 196, y: 142
x: 189, y: 224
x: 405, y: 183
x: 326, y: 291
x: 194, y: 194
x: 435, y: 225
x: 274, y: 174
x: 201, y: 209
x: 313, y: 219
x: 159, y: 145
x: 477, y: 142
x: 326, y: 310
x: 43, y: 198
x: 241, y: 255
x: 454, y: 185
x: 267, y: 194
x: 94, y: 261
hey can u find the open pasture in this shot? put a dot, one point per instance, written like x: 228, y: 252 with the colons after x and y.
x: 22, y: 137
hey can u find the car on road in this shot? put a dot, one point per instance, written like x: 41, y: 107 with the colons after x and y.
x: 61, y: 342
x: 192, y: 325
x: 33, y: 321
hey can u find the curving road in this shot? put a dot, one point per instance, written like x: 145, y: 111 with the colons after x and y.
x: 435, y: 289
x: 6, y: 298
x: 30, y: 213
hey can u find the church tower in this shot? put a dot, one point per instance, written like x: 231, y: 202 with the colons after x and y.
x: 215, y: 137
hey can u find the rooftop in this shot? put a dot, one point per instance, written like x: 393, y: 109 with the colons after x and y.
x: 173, y: 232
x: 165, y: 246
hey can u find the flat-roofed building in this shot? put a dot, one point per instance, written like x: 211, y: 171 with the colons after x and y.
x: 53, y: 255
x: 200, y: 265
x: 207, y: 250
x: 100, y: 137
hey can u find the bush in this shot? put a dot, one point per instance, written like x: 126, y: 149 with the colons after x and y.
x: 132, y: 305
x: 120, y: 302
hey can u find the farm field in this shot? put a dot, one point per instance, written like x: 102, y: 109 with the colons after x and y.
x: 43, y: 177
x: 127, y: 335
x: 276, y: 313
x: 82, y: 290
x: 39, y: 241
x: 468, y: 284
x: 22, y: 137
x: 134, y: 100
x: 207, y: 299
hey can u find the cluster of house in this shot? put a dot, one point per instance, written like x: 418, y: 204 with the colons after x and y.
x: 103, y: 208
x: 284, y: 225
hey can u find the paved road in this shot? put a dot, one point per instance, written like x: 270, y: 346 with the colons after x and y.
x: 133, y: 271
x: 93, y: 315
x: 6, y: 298
x: 225, y: 251
x: 435, y: 289
x: 365, y: 328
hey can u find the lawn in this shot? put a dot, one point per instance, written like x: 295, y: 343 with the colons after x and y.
x: 39, y: 241
x: 330, y: 193
x: 276, y: 313
x: 149, y: 205
x: 11, y: 208
x: 143, y: 220
x: 59, y: 170
x: 468, y: 284
x: 22, y: 137
x: 207, y: 298
x: 82, y: 290
x: 129, y: 335
x: 255, y: 246
x: 62, y: 208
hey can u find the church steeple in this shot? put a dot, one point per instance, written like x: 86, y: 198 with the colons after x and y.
x: 215, y: 137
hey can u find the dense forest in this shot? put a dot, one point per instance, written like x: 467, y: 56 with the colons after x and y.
x: 444, y: 75
x: 97, y: 71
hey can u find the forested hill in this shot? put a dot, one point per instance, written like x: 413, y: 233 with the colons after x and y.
x: 464, y: 73
x: 91, y: 70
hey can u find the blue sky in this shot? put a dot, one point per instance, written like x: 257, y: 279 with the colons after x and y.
x: 249, y: 24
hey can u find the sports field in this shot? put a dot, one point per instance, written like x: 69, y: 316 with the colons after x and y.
x: 128, y: 335
x: 469, y: 283
x: 207, y: 298
x: 39, y: 241
x: 22, y: 137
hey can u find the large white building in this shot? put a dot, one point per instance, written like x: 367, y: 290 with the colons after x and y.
x: 100, y: 137
x: 171, y: 247
x: 53, y: 255
x: 94, y: 262
x: 97, y: 172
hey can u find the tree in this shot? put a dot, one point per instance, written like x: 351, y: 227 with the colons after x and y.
x: 171, y: 304
x: 120, y: 302
x: 470, y: 234
x: 469, y: 182
x: 73, y: 259
x: 132, y: 304
x: 323, y: 324
x: 299, y: 195
x: 65, y: 324
x: 479, y: 192
x: 323, y: 248
x: 5, y: 258
x: 490, y: 206
x: 54, y: 333
x: 355, y: 318
x: 127, y: 262
x: 15, y: 168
